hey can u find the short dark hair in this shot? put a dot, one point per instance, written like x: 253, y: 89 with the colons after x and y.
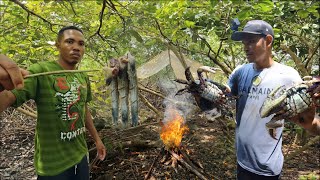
x: 60, y: 33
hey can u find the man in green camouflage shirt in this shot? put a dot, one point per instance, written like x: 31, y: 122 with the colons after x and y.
x: 63, y: 114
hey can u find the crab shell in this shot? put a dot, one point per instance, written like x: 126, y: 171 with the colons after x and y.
x: 287, y: 103
x: 211, y: 91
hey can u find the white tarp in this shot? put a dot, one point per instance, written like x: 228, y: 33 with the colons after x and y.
x: 164, y: 59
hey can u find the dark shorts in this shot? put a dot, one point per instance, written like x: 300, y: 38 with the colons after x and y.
x: 79, y: 171
x: 243, y: 174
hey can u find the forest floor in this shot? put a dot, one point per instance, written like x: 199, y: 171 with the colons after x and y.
x: 136, y: 152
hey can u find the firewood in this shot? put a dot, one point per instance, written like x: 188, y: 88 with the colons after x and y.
x: 188, y: 166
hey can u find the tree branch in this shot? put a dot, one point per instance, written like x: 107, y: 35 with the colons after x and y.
x: 31, y: 12
x: 100, y: 21
x: 100, y: 26
x: 223, y: 38
x: 74, y: 12
x: 311, y: 49
x: 296, y: 59
x: 311, y: 53
x: 301, y: 38
x: 169, y: 41
x: 113, y: 7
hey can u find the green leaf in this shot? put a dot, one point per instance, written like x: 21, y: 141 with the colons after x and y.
x: 213, y: 3
x: 303, y: 13
x: 136, y: 35
x: 276, y: 32
x: 244, y: 14
x: 306, y: 26
x: 189, y: 24
x: 264, y: 6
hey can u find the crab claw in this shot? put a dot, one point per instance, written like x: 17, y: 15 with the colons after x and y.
x: 207, y: 69
x: 188, y: 74
x: 272, y: 102
x: 182, y: 81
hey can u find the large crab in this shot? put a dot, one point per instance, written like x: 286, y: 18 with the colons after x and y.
x: 285, y: 103
x: 212, y: 92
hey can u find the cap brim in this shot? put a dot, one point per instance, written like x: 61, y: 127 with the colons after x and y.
x: 239, y: 36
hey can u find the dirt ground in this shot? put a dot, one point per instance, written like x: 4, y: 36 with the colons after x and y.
x: 136, y: 152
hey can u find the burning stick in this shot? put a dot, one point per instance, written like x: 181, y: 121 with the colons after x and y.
x: 171, y: 135
x: 194, y: 170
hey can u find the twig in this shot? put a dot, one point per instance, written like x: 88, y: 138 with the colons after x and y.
x: 147, y: 103
x: 59, y: 72
x: 140, y: 126
x: 188, y: 166
x: 311, y: 142
x: 191, y: 162
x: 29, y: 108
x: 152, y: 165
x: 169, y: 99
x: 133, y: 170
x: 93, y: 163
x: 27, y: 112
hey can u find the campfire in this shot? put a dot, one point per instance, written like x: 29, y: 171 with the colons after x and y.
x: 171, y: 134
x: 173, y: 130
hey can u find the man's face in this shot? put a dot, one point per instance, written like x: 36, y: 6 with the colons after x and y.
x: 255, y: 48
x: 71, y: 46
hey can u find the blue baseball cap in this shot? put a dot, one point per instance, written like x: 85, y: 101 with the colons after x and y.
x: 253, y: 27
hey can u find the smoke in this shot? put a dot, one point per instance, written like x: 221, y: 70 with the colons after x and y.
x: 183, y: 104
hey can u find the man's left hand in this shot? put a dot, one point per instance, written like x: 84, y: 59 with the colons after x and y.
x: 101, y: 150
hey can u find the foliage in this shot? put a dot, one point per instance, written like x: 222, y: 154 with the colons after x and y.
x: 311, y: 176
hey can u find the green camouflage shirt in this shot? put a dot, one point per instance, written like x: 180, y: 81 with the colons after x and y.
x: 60, y: 132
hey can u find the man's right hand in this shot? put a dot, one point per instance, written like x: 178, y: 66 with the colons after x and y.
x: 11, y: 76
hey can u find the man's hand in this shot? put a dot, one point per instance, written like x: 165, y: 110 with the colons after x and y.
x: 101, y: 150
x: 309, y: 120
x: 11, y: 76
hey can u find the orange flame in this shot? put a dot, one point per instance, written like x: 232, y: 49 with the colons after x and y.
x: 173, y: 130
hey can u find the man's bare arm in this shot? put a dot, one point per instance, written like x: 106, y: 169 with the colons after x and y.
x: 101, y: 150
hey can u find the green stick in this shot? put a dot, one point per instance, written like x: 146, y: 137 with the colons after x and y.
x: 59, y: 72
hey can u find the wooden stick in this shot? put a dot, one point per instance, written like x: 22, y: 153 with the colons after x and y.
x: 26, y: 112
x: 191, y: 162
x: 147, y: 103
x: 163, y: 97
x: 93, y: 163
x: 29, y: 108
x: 195, y: 171
x: 59, y: 72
